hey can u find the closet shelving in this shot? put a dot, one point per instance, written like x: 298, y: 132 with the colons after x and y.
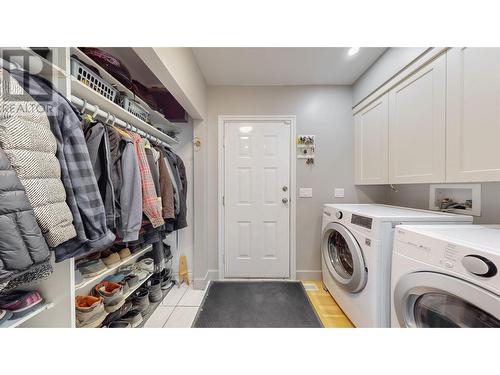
x: 59, y: 290
x: 17, y: 322
x: 96, y: 279
x: 84, y: 92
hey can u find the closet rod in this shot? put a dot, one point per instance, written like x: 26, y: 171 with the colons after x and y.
x: 112, y: 119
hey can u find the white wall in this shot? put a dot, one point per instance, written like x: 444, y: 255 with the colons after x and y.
x: 386, y: 66
x: 324, y: 111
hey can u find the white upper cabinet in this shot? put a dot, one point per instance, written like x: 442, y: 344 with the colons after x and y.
x: 473, y: 115
x: 371, y: 134
x: 417, y: 122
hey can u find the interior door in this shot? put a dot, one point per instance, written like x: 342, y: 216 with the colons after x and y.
x: 417, y: 125
x: 256, y: 200
x: 473, y: 115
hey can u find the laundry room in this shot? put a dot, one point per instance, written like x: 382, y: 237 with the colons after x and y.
x: 245, y: 178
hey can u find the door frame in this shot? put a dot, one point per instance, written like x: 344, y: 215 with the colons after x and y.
x: 223, y: 119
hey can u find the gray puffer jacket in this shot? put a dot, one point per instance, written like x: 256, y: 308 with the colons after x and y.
x: 24, y: 255
x: 26, y: 138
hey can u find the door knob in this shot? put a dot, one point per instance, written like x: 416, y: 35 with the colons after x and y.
x: 285, y: 200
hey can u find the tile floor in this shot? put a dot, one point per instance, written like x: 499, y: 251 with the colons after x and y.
x: 178, y: 309
x: 180, y: 306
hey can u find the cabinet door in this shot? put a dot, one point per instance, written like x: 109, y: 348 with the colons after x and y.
x: 473, y: 115
x: 371, y: 148
x: 417, y: 121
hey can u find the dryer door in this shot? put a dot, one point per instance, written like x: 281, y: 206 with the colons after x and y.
x: 429, y: 299
x: 343, y: 258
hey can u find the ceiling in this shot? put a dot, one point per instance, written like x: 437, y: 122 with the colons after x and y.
x: 283, y: 66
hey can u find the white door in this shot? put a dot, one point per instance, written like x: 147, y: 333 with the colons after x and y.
x: 371, y: 148
x: 473, y: 115
x: 417, y: 122
x: 256, y: 199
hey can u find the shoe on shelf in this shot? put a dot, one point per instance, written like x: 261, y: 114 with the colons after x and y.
x: 116, y: 315
x: 91, y: 268
x: 134, y: 317
x: 124, y: 253
x: 119, y: 324
x: 118, y: 277
x: 20, y: 302
x: 78, y: 278
x: 140, y: 273
x: 154, y: 287
x: 112, y: 294
x: 141, y: 300
x: 131, y: 280
x: 166, y: 279
x: 90, y: 312
x: 110, y: 258
x: 4, y: 316
x: 147, y: 264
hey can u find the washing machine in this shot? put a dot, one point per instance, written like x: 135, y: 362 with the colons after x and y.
x: 356, y: 255
x: 446, y: 276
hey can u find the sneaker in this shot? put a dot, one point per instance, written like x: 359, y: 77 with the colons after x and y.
x: 134, y: 317
x: 140, y: 273
x: 131, y: 280
x: 110, y: 259
x: 20, y: 302
x: 4, y: 316
x: 91, y: 268
x: 146, y: 264
x: 116, y: 315
x: 154, y: 288
x: 124, y: 253
x: 166, y: 279
x: 112, y: 294
x: 118, y: 277
x: 90, y: 312
x: 78, y: 278
x: 141, y: 300
x: 119, y: 324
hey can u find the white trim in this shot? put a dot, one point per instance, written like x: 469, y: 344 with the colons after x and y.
x: 425, y: 58
x: 220, y: 189
x: 201, y: 283
x: 309, y: 275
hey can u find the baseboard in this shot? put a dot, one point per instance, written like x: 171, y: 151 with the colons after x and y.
x: 201, y: 283
x: 309, y: 275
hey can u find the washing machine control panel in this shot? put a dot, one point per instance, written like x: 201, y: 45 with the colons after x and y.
x: 362, y: 221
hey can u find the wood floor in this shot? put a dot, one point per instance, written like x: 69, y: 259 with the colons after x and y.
x: 329, y: 312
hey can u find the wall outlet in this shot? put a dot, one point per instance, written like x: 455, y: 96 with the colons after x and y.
x: 339, y: 193
x: 305, y: 193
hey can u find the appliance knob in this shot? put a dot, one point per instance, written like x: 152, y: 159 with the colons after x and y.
x: 479, y: 265
x: 339, y: 215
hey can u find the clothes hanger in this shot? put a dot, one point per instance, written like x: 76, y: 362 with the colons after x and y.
x: 82, y: 111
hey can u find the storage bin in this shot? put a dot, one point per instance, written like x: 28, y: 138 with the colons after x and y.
x: 133, y: 107
x: 83, y: 74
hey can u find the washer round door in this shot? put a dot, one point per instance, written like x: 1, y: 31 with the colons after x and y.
x: 343, y: 258
x: 435, y: 300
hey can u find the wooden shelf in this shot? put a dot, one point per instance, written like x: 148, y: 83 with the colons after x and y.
x: 32, y: 62
x: 96, y: 279
x: 17, y: 322
x: 84, y: 92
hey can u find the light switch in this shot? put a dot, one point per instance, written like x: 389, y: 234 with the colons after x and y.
x: 339, y: 192
x: 305, y: 193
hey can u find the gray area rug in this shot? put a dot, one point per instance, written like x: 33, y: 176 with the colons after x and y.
x: 256, y: 304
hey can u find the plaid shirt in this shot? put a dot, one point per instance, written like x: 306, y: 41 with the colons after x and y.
x: 151, y: 204
x: 82, y: 193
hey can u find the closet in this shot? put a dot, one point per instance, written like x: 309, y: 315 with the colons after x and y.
x: 67, y: 69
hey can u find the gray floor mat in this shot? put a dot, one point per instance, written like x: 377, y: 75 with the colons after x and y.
x: 254, y: 304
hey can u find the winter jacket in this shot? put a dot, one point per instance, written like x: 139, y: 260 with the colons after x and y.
x: 127, y: 184
x: 23, y: 249
x: 100, y: 157
x: 179, y: 171
x: 82, y: 193
x: 166, y: 189
x: 26, y: 138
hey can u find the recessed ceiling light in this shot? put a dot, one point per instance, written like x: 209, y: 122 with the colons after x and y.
x: 352, y: 51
